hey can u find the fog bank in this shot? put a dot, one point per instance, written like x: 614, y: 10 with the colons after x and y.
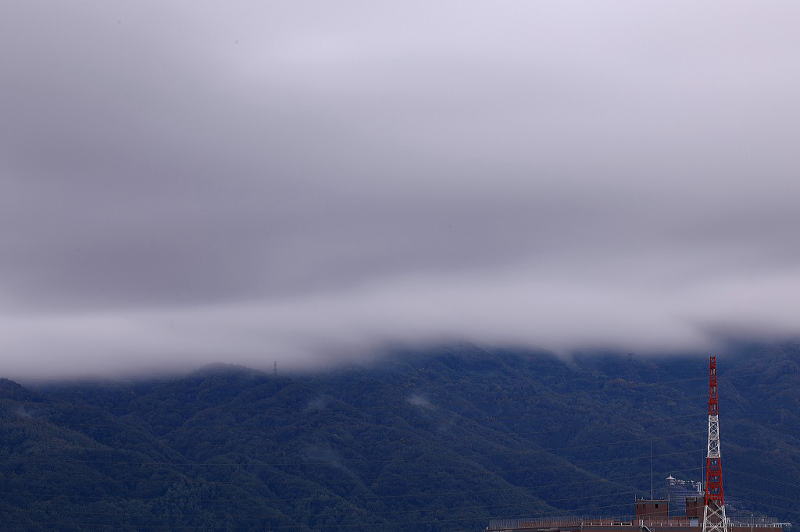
x: 307, y: 182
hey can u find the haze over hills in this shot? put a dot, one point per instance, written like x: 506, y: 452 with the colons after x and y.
x: 189, y: 184
x: 441, y: 439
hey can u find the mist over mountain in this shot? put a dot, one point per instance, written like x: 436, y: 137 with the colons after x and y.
x: 308, y: 181
x: 434, y: 439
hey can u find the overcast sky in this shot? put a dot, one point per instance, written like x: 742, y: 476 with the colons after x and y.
x: 194, y: 182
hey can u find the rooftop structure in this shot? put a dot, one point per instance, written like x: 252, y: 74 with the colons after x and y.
x: 677, y: 492
x: 697, y: 507
x: 611, y: 524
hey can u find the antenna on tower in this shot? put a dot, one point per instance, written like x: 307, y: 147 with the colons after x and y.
x: 651, y: 470
x: 714, y: 519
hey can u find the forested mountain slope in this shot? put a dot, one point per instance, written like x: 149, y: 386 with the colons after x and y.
x: 440, y: 440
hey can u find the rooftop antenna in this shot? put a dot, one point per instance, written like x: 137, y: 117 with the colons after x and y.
x: 714, y: 519
x: 651, y: 470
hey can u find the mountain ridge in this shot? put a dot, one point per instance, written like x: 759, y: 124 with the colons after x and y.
x: 438, y: 440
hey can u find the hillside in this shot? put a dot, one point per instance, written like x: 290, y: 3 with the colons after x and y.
x: 440, y: 440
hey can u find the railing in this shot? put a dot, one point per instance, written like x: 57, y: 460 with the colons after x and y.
x: 556, y: 522
x: 683, y: 522
x: 758, y: 524
x: 582, y: 522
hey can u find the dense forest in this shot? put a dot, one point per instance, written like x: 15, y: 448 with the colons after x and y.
x: 436, y: 440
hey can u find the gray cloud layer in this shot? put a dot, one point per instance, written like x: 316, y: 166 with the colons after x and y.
x: 305, y: 181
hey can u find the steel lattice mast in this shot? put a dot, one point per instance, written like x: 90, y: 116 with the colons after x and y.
x: 714, y: 519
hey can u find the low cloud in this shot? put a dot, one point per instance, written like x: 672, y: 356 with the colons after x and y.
x: 317, y: 404
x: 196, y: 183
x: 420, y: 401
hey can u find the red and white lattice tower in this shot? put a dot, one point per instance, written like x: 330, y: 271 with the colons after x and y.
x: 714, y: 519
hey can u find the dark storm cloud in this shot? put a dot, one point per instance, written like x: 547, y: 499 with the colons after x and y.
x: 305, y: 181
